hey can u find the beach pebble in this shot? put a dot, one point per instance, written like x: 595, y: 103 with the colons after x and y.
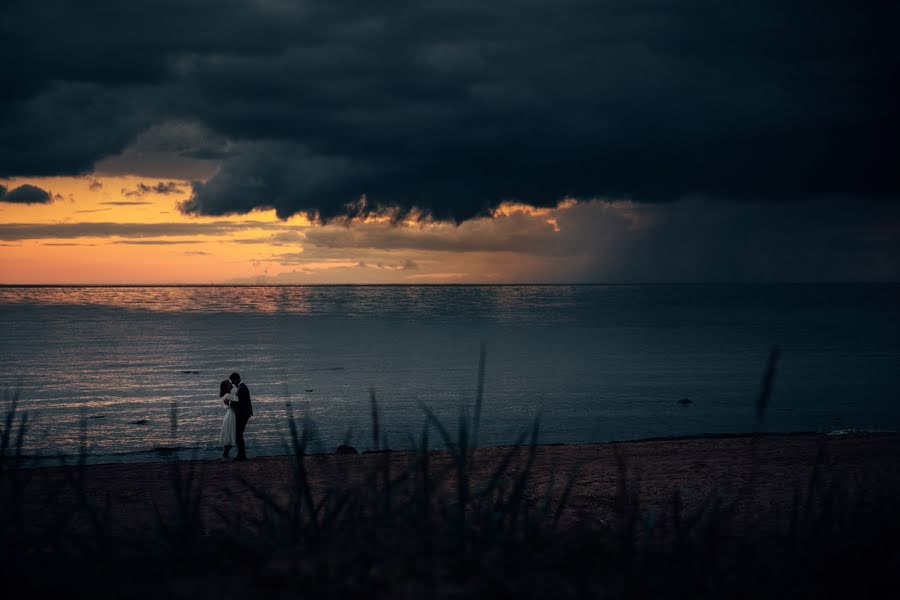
x: 345, y: 449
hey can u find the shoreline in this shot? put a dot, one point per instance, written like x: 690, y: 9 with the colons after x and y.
x: 683, y: 509
x: 776, y: 466
x: 162, y: 454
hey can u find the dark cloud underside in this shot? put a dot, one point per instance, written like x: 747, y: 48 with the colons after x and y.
x: 25, y: 194
x: 452, y: 106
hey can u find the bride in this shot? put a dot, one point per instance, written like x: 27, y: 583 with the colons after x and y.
x: 228, y: 437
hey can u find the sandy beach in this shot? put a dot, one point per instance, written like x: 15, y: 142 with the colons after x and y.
x: 767, y: 473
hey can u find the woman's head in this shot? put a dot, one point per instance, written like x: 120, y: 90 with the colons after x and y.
x: 224, y: 388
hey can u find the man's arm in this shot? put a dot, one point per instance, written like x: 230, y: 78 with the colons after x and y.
x: 230, y: 398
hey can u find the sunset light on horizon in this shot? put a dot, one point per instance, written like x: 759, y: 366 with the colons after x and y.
x: 127, y: 229
x: 130, y: 230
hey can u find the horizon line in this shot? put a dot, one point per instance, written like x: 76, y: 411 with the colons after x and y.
x: 435, y: 284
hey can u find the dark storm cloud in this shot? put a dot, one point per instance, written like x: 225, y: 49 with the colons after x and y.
x: 729, y: 241
x: 702, y: 240
x: 25, y: 194
x: 33, y: 231
x: 451, y: 106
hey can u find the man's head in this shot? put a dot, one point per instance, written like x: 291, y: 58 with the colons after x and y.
x: 235, y: 379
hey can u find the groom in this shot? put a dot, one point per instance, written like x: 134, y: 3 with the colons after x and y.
x: 243, y: 410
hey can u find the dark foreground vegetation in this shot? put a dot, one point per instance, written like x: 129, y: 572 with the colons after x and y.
x: 425, y: 524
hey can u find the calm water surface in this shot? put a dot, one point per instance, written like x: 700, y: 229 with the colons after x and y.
x: 595, y: 363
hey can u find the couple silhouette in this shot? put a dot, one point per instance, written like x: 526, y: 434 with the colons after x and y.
x: 236, y: 396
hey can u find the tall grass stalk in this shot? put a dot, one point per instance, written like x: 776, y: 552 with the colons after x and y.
x: 444, y: 524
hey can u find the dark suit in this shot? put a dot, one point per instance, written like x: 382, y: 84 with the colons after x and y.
x: 243, y: 410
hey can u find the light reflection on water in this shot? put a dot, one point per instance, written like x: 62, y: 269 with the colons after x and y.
x: 598, y: 362
x: 495, y: 302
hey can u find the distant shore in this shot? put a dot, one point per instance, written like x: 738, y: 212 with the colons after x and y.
x: 770, y: 470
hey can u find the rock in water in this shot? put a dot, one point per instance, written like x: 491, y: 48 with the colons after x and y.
x: 345, y: 449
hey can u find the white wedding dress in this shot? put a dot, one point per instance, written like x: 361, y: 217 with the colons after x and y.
x: 229, y: 427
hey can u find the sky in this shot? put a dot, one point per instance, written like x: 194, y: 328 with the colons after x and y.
x: 449, y: 141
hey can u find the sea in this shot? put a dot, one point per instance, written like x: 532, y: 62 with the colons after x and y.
x: 124, y: 374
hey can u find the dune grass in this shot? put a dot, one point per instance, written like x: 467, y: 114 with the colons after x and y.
x: 431, y: 529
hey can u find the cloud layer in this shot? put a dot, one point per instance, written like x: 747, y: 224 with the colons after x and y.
x: 688, y: 241
x: 25, y: 194
x: 38, y: 231
x: 450, y: 107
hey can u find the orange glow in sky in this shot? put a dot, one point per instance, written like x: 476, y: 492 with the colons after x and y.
x: 151, y: 256
x: 129, y: 230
